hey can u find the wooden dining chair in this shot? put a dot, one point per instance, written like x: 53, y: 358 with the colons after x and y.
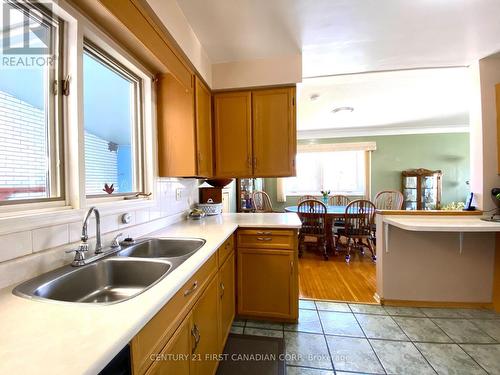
x: 261, y: 202
x: 304, y: 198
x: 359, y: 216
x: 312, y: 214
x: 389, y: 200
x: 338, y: 200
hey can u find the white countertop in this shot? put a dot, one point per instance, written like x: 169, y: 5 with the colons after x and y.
x: 442, y: 223
x: 38, y: 337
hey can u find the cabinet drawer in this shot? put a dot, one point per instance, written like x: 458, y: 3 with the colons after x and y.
x: 267, y: 238
x: 153, y: 337
x: 226, y: 249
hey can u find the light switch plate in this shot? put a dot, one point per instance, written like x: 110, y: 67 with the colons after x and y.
x: 178, y: 194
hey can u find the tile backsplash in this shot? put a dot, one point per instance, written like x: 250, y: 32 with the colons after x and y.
x: 26, y: 254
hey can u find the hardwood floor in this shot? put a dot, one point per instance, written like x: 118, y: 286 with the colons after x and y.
x: 334, y: 279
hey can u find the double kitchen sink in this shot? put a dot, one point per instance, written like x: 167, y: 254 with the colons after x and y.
x: 121, y: 275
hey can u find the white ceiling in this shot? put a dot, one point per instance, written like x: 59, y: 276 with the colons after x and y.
x: 346, y: 36
x: 408, y: 100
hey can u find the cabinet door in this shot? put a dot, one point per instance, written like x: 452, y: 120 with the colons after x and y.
x: 176, y: 130
x: 274, y: 135
x: 175, y: 357
x: 203, y: 129
x: 205, y: 332
x: 233, y: 134
x: 227, y: 299
x: 266, y: 283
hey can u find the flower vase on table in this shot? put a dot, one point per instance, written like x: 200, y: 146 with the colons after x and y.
x: 325, y: 196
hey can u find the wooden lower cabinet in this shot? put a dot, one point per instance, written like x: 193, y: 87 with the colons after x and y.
x: 267, y: 283
x: 194, y: 347
x: 187, y: 335
x: 226, y: 299
x: 205, y: 332
x: 188, y: 324
x: 175, y: 358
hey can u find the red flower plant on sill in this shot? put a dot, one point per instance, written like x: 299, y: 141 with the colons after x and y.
x: 108, y: 189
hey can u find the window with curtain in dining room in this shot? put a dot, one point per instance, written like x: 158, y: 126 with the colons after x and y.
x: 340, y: 172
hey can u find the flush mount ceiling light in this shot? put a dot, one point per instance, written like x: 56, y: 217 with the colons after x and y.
x: 340, y: 109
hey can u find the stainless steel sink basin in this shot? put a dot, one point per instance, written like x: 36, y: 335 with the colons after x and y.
x: 163, y: 248
x: 105, y: 281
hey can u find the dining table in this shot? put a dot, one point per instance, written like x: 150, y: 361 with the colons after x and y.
x: 333, y: 213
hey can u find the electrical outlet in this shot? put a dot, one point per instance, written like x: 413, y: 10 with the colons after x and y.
x: 178, y: 194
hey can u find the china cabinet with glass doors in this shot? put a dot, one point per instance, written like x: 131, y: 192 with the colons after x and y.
x: 421, y: 189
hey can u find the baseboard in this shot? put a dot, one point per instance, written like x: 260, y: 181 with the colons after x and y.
x: 466, y: 305
x: 496, y: 279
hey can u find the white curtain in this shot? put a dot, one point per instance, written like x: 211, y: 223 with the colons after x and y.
x: 280, y: 190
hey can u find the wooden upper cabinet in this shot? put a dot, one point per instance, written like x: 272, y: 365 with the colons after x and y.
x: 233, y: 134
x: 255, y: 133
x: 274, y: 134
x: 203, y: 103
x: 176, y: 128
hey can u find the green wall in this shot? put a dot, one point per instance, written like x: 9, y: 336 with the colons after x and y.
x: 395, y: 153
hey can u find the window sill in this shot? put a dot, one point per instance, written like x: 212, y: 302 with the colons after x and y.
x: 33, y: 219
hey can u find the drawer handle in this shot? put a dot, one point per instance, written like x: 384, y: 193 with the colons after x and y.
x: 222, y: 290
x: 264, y: 239
x: 264, y: 233
x: 187, y: 292
x: 195, y: 332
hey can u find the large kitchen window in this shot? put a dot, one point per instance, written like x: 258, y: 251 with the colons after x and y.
x: 341, y: 169
x: 60, y: 149
x: 112, y: 124
x: 31, y: 158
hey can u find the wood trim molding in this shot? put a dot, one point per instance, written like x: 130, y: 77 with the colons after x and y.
x: 465, y: 305
x: 368, y: 175
x: 496, y: 276
x: 134, y: 17
x: 382, y: 130
x: 342, y: 146
x: 254, y: 88
x: 176, y: 48
x: 428, y: 213
x: 497, y: 90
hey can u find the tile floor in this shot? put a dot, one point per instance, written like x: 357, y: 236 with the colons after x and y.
x: 340, y: 338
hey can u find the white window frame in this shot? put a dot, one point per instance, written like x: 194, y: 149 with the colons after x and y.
x: 366, y: 147
x: 25, y: 216
x: 138, y: 154
x: 55, y: 126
